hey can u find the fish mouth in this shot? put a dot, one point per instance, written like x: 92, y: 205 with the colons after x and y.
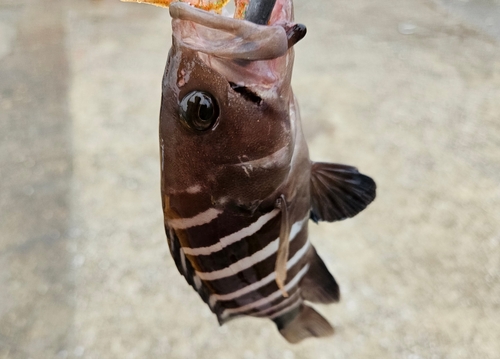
x: 226, y: 37
x: 247, y: 54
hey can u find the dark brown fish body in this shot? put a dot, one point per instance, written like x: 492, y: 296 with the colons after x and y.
x: 238, y: 186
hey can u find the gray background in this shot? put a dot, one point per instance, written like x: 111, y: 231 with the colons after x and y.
x: 408, y: 91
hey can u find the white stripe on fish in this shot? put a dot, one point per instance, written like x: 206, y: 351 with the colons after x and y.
x: 201, y: 218
x: 284, y: 304
x: 248, y: 262
x: 197, y: 282
x: 266, y: 280
x: 286, y: 310
x: 183, y: 262
x: 259, y: 303
x: 297, y: 226
x: 242, y: 264
x: 234, y: 237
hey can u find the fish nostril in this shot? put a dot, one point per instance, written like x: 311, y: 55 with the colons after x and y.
x: 246, y: 93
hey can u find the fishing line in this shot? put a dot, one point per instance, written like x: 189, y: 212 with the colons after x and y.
x: 259, y: 11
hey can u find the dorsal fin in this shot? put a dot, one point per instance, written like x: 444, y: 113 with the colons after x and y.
x: 339, y: 191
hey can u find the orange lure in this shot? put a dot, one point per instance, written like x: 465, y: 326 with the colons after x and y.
x: 207, y: 5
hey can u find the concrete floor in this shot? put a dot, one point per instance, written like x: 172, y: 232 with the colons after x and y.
x: 405, y: 90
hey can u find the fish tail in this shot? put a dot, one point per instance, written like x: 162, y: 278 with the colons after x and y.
x: 301, y: 323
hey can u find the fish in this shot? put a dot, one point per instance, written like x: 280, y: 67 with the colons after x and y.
x: 238, y: 186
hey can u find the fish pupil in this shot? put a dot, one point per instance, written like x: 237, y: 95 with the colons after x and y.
x: 206, y: 112
x: 198, y: 110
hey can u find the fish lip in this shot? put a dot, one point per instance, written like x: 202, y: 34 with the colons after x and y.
x: 226, y: 37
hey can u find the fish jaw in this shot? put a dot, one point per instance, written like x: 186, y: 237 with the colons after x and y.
x: 226, y: 37
x: 255, y: 56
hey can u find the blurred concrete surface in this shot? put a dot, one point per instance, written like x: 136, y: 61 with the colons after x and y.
x: 481, y: 14
x: 408, y: 91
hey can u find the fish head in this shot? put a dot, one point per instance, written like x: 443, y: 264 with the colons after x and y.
x: 226, y: 125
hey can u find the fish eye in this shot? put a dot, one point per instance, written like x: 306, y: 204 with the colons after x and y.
x: 198, y: 110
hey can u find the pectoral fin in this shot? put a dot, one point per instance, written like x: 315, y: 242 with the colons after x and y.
x: 339, y: 191
x: 282, y: 253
